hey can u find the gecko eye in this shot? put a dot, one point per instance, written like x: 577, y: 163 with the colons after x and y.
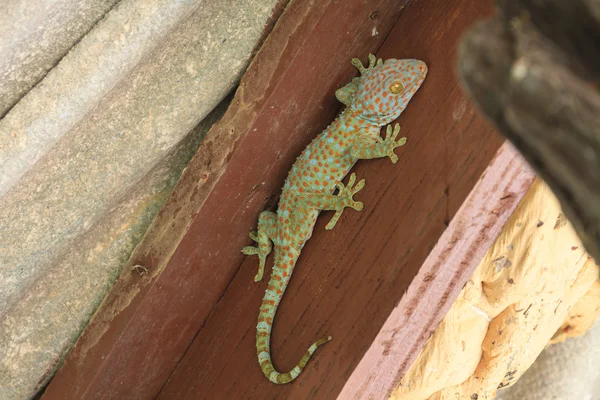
x: 396, y: 87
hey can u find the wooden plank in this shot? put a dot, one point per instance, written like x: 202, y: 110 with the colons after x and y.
x: 193, y: 248
x: 347, y: 280
x: 442, y: 276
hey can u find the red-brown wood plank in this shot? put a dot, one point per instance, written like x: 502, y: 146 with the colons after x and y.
x: 193, y: 249
x: 442, y: 276
x: 347, y: 280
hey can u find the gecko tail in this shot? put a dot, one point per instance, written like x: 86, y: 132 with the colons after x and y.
x: 264, y: 358
x: 285, y: 260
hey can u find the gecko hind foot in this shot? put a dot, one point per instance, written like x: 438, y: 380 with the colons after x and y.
x: 262, y: 258
x: 262, y: 249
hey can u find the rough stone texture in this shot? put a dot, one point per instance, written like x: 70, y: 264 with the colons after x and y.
x: 92, y: 152
x: 95, y: 67
x: 35, y: 35
x: 52, y: 312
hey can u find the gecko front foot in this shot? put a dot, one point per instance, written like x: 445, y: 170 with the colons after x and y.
x: 344, y: 198
x: 373, y: 62
x: 390, y: 142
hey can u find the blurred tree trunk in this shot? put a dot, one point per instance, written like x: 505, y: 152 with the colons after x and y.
x: 532, y: 69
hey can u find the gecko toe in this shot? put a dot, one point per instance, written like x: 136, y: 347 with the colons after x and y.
x: 250, y: 250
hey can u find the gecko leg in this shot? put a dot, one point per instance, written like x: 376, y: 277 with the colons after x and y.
x: 267, y: 232
x: 364, y: 147
x: 337, y: 202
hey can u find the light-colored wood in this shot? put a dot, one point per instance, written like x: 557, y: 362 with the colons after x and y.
x: 508, y: 311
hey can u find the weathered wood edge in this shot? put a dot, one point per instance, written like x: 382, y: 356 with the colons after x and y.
x: 156, y: 250
x: 442, y: 276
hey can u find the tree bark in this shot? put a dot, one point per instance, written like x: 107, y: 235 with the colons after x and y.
x: 531, y: 70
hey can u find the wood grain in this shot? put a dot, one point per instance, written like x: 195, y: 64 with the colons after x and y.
x: 348, y: 280
x: 441, y: 278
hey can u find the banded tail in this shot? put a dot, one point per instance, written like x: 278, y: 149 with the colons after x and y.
x: 282, y: 271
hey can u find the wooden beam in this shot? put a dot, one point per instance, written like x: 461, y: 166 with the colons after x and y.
x: 199, y: 298
x: 349, y: 280
x: 442, y: 276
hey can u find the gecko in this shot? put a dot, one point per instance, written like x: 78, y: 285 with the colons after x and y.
x: 372, y: 100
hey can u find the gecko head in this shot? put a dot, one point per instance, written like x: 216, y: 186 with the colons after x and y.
x: 385, y: 89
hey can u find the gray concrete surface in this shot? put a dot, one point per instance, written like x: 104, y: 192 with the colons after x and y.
x: 35, y: 35
x: 99, y: 63
x: 90, y: 154
x: 564, y: 371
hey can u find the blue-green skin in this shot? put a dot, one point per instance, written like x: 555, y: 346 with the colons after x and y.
x: 373, y: 100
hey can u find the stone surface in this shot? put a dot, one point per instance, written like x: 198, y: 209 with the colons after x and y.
x: 565, y: 371
x: 93, y: 69
x: 92, y: 152
x: 35, y: 35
